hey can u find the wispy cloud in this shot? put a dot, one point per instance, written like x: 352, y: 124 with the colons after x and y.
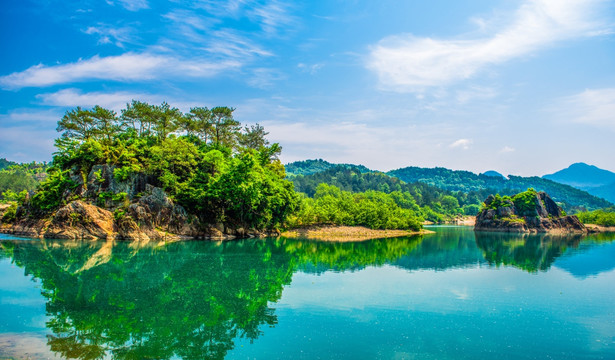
x: 126, y: 68
x: 273, y: 16
x: 132, y: 5
x: 507, y: 149
x: 229, y: 43
x: 312, y: 69
x: 264, y: 78
x: 412, y: 63
x: 113, y: 100
x: 463, y: 144
x: 595, y: 107
x: 108, y: 34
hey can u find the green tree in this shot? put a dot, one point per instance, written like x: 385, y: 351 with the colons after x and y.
x: 77, y: 124
x: 200, y: 121
x: 254, y: 137
x: 225, y: 127
x: 165, y: 120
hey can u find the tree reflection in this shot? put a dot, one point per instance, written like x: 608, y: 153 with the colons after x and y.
x: 178, y: 300
x: 187, y: 300
x: 530, y: 252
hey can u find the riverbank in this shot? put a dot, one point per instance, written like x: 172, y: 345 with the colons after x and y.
x: 347, y: 233
x: 593, y: 228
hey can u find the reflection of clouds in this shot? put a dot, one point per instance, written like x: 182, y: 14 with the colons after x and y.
x: 461, y: 294
x: 25, y: 346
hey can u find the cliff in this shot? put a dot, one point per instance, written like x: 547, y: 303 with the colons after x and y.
x: 526, y: 212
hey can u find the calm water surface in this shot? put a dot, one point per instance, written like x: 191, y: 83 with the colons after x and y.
x: 451, y: 295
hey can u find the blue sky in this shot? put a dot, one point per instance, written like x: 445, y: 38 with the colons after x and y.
x: 521, y: 87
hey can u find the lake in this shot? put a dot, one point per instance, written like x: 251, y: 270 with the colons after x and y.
x: 450, y: 295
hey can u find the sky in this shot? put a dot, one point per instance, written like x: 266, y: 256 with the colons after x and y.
x: 520, y: 87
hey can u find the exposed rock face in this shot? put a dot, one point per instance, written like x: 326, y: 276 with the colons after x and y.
x: 79, y: 220
x: 544, y: 217
x: 132, y: 209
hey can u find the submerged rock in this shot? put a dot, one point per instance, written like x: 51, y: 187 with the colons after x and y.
x: 526, y: 212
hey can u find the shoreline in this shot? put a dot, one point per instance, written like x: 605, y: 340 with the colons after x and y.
x: 335, y: 233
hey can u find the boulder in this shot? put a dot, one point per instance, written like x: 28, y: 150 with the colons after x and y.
x: 80, y: 220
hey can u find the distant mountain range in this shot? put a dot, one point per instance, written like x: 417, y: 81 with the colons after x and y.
x: 596, y: 181
x: 309, y: 167
x: 465, y: 181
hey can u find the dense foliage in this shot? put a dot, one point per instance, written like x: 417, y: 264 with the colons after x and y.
x: 203, y: 159
x: 435, y: 204
x: 16, y: 178
x: 604, y: 217
x: 4, y: 163
x: 569, y: 198
x: 373, y: 209
x: 309, y: 167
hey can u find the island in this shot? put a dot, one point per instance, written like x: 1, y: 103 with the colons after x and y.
x: 526, y: 212
x: 153, y: 173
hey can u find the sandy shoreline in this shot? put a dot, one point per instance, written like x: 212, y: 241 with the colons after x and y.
x: 347, y: 233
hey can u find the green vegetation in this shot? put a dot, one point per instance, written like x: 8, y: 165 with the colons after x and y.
x: 604, y: 217
x: 309, y: 167
x: 19, y: 177
x: 373, y: 209
x: 525, y: 202
x: 203, y: 160
x: 569, y: 198
x: 434, y: 204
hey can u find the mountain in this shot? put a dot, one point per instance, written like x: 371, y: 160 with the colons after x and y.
x: 309, y: 167
x: 493, y: 173
x: 582, y: 176
x: 571, y: 198
x: 596, y: 181
x: 604, y: 191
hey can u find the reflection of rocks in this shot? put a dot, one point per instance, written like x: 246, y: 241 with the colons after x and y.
x: 122, y: 300
x: 530, y: 252
x: 544, y: 217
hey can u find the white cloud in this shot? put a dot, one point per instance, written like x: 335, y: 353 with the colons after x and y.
x: 74, y: 97
x: 475, y: 93
x: 507, y: 149
x: 461, y: 143
x: 29, y: 116
x: 134, y: 5
x: 230, y: 44
x: 412, y: 63
x: 127, y: 67
x: 273, y: 16
x: 594, y: 107
x: 312, y: 69
x: 108, y: 34
x: 264, y: 78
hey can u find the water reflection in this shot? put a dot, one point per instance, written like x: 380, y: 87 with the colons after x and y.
x: 530, y: 252
x: 194, y: 299
x: 187, y: 300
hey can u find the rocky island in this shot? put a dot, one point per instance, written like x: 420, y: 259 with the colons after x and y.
x: 527, y: 212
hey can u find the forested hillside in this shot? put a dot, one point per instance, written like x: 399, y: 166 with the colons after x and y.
x: 309, y: 167
x: 19, y: 177
x: 570, y: 198
x: 432, y: 203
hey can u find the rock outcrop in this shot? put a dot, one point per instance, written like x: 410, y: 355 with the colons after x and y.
x: 133, y: 209
x: 535, y: 212
x: 80, y: 220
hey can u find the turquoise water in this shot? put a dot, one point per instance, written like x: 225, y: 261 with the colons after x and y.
x: 450, y: 295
